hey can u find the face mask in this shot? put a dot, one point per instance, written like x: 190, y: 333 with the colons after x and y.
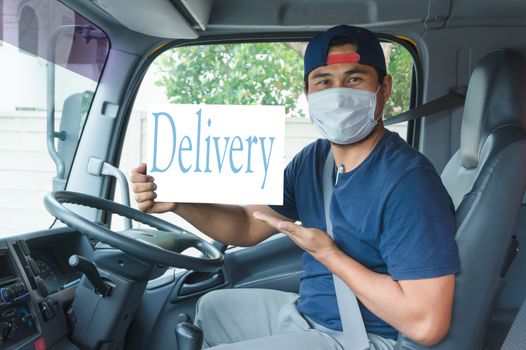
x: 343, y: 115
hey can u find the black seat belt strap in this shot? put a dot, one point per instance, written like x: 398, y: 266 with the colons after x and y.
x: 454, y: 98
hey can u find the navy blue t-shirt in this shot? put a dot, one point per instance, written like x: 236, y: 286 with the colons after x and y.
x: 391, y: 213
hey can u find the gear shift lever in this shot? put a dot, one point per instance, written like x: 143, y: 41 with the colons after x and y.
x: 89, y: 269
x: 189, y: 336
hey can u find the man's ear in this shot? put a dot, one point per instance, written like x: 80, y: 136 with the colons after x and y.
x: 386, y: 87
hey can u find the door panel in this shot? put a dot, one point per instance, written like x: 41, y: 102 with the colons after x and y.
x: 272, y: 264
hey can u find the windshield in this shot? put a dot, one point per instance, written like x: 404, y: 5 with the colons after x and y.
x: 50, y: 62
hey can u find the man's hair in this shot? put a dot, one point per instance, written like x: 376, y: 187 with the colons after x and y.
x: 344, y: 40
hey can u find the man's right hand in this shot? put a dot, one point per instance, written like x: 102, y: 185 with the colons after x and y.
x: 143, y: 186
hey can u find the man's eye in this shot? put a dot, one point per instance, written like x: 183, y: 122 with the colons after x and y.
x: 355, y: 80
x: 322, y: 82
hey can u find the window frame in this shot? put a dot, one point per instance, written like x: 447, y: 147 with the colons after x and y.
x: 416, y: 84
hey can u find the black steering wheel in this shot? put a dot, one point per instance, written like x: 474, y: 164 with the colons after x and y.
x: 163, y: 245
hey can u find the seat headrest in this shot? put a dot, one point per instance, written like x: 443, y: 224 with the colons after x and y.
x: 496, y: 97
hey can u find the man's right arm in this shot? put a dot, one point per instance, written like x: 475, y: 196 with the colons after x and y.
x: 229, y: 224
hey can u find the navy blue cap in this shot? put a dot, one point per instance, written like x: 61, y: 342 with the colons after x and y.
x: 368, y: 45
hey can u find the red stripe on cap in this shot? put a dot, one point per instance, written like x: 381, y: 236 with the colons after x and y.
x: 343, y: 58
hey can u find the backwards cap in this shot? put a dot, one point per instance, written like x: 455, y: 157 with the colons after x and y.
x: 368, y: 49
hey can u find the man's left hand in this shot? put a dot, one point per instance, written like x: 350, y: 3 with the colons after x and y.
x: 315, y: 242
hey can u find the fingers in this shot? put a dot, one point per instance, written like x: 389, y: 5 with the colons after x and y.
x: 313, y: 241
x: 138, y: 174
x: 139, y: 187
x: 289, y: 227
x: 139, y: 178
x: 143, y: 187
x: 140, y: 181
x: 271, y: 220
x: 140, y: 169
x: 145, y: 196
x: 277, y: 223
x: 145, y: 206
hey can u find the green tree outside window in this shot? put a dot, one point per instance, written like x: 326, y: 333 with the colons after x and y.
x: 259, y: 73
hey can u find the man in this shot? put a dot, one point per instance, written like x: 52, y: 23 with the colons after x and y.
x: 393, y: 221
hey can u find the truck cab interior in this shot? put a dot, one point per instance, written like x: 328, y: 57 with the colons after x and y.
x: 82, y: 268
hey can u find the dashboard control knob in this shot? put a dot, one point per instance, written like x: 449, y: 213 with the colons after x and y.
x: 41, y: 286
x: 20, y: 289
x: 10, y: 331
x: 5, y: 329
x: 27, y: 320
x: 8, y: 294
x: 46, y: 310
x: 15, y: 331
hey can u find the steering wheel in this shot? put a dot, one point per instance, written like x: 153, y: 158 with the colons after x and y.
x: 163, y: 245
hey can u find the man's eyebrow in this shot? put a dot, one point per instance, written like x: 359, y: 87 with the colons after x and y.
x: 349, y: 72
x: 321, y: 75
x: 356, y: 71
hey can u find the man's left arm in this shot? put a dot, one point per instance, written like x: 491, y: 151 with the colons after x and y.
x: 420, y: 309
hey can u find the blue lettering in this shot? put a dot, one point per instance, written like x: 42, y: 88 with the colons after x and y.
x: 155, y: 168
x: 222, y: 160
x: 198, y: 144
x: 235, y: 169
x: 181, y: 150
x: 250, y: 141
x: 265, y: 159
x: 207, y: 169
x: 186, y: 145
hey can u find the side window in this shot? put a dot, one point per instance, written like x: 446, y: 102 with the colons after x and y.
x: 247, y: 74
x: 41, y: 88
x: 400, y: 66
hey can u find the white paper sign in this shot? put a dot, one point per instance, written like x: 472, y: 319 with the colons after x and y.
x: 217, y: 153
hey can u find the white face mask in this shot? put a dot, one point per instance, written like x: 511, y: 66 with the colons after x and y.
x: 343, y: 115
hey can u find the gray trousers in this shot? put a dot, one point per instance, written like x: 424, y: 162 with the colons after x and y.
x: 262, y: 319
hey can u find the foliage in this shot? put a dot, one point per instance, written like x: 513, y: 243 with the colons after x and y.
x: 258, y: 73
x: 247, y: 74
x: 401, y: 69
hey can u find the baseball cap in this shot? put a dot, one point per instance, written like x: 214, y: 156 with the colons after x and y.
x: 369, y: 49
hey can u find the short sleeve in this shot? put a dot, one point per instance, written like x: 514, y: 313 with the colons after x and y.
x: 418, y: 228
x: 288, y: 209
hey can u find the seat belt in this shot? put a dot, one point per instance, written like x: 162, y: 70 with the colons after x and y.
x: 354, y: 334
x: 454, y: 98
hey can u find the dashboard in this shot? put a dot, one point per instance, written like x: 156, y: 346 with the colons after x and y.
x: 50, y: 263
x: 54, y: 276
x: 37, y: 287
x: 16, y: 317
